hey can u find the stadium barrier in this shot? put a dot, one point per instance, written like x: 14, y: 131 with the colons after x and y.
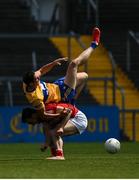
x: 103, y: 123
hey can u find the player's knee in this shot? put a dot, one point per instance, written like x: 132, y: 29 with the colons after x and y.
x: 85, y: 75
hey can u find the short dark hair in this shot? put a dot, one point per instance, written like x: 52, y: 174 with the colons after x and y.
x: 28, y: 77
x: 27, y: 113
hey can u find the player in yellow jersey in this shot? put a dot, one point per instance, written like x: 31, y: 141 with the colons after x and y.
x: 39, y: 93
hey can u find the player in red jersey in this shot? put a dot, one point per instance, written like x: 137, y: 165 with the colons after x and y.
x: 60, y: 107
x: 76, y: 124
x: 73, y: 122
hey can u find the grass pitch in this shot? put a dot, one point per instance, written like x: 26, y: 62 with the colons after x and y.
x: 83, y: 160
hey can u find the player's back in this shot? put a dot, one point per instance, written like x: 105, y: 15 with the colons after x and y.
x: 58, y: 107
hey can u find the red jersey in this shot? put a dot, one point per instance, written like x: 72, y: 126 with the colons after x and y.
x: 53, y: 107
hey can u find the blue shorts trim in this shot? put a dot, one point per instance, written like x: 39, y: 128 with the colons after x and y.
x: 67, y: 93
x: 44, y: 90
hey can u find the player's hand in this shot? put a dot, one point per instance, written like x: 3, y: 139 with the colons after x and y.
x: 65, y: 112
x: 60, y: 60
x: 59, y: 131
x: 37, y: 75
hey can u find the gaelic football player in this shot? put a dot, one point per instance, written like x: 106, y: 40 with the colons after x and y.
x: 39, y: 93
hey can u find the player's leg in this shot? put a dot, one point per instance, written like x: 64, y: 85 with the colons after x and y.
x: 70, y: 78
x: 81, y: 78
x: 47, y: 141
x: 52, y: 140
x: 81, y: 81
x: 56, y: 147
x: 83, y: 57
x: 55, y: 142
x: 76, y: 125
x: 68, y: 94
x: 60, y: 141
x: 58, y: 151
x: 70, y: 129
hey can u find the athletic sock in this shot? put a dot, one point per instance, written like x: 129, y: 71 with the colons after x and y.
x: 94, y: 44
x: 95, y: 37
x: 59, y: 152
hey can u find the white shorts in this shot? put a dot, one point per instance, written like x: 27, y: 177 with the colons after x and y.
x: 79, y: 121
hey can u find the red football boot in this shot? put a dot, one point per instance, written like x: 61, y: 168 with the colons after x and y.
x: 95, y: 37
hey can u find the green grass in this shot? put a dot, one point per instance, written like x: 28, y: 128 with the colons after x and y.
x: 84, y: 160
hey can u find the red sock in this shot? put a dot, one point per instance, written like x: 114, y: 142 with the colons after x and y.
x: 59, y: 152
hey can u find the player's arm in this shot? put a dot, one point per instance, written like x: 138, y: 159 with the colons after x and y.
x: 58, y: 125
x: 60, y: 109
x: 47, y: 116
x: 40, y: 109
x: 66, y: 113
x: 46, y: 68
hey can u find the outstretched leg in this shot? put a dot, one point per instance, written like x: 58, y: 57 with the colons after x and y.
x: 81, y: 81
x: 71, y: 75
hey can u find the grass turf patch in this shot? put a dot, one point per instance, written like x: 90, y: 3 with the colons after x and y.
x: 83, y: 160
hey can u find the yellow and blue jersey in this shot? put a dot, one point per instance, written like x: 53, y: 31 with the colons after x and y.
x: 44, y: 93
x: 49, y: 92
